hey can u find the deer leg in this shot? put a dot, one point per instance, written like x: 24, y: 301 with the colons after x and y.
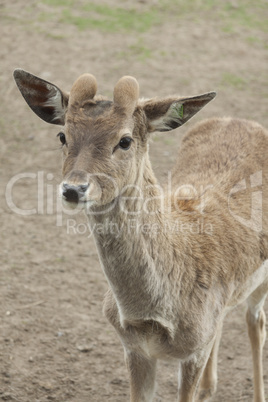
x: 208, y: 383
x: 257, y: 334
x: 191, y: 373
x: 142, y: 377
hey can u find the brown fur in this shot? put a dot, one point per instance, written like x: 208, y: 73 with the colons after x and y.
x: 83, y: 89
x: 184, y: 257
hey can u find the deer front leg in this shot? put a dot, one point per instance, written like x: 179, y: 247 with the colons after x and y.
x: 142, y: 376
x: 208, y: 383
x: 191, y: 372
x: 257, y: 334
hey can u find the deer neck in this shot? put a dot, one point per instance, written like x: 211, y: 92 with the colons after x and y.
x: 129, y: 246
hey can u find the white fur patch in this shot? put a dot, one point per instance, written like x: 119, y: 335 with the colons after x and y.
x: 55, y: 101
x: 255, y: 309
x: 259, y: 278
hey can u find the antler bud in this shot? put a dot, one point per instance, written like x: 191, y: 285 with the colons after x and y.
x: 126, y: 93
x: 84, y: 88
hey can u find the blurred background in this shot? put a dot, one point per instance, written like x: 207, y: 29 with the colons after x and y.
x: 54, y: 342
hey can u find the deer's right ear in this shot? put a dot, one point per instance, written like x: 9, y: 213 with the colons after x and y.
x: 170, y: 113
x: 44, y: 98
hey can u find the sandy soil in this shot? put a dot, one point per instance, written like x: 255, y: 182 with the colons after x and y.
x: 55, y: 343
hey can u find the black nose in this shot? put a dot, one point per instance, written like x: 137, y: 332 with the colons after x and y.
x: 74, y: 193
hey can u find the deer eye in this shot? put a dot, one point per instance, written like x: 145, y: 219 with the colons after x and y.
x: 125, y: 142
x: 62, y: 138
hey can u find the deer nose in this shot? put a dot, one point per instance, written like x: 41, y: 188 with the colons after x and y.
x: 74, y: 193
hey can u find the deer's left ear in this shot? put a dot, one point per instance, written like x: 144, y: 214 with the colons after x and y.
x: 44, y: 98
x: 168, y: 114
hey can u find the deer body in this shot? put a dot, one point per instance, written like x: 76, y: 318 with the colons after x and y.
x: 176, y: 261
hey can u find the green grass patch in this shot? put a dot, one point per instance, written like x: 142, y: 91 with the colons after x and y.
x: 249, y: 14
x: 54, y: 36
x: 57, y: 3
x: 229, y: 16
x: 46, y: 16
x: 142, y: 52
x: 232, y: 80
x: 254, y: 40
x: 111, y: 19
x: 102, y: 17
x: 138, y: 51
x: 181, y: 7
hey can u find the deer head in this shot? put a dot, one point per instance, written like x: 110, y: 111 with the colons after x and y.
x: 104, y: 142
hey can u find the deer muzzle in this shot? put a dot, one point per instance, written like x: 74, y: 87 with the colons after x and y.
x: 73, y: 193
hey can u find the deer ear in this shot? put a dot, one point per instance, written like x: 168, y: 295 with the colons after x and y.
x: 44, y: 98
x: 168, y: 114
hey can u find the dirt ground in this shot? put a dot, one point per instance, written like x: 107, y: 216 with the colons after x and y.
x: 55, y: 344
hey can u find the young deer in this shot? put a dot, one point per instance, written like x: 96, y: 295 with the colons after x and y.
x: 176, y: 261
